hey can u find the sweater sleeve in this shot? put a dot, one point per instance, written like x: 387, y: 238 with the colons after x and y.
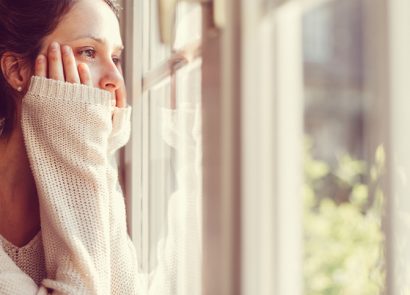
x: 13, y: 281
x: 71, y: 133
x: 66, y: 129
x: 126, y: 278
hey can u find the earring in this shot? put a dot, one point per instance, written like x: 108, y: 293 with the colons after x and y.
x: 19, y: 89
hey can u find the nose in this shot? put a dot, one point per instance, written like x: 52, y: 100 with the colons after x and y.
x: 111, y: 79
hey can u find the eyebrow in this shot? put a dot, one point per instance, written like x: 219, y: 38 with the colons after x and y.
x: 99, y: 40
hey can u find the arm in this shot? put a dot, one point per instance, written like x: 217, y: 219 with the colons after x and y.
x: 103, y: 178
x: 44, y: 144
x: 66, y: 128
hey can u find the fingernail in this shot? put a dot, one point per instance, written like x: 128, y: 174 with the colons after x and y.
x: 40, y: 58
x: 54, y: 45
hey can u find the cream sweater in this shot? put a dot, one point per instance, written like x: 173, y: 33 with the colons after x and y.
x: 71, y: 133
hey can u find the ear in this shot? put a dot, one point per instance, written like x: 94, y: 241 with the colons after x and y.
x: 14, y: 70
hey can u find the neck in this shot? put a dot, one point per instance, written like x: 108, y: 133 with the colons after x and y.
x: 19, y: 210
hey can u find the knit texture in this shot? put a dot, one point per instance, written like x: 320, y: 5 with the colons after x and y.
x: 29, y: 258
x: 71, y: 133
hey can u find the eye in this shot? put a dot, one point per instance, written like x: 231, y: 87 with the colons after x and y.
x: 88, y: 53
x: 116, y: 60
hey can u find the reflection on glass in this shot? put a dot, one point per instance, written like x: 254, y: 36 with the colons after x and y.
x: 170, y: 208
x: 343, y: 197
x: 161, y: 166
x: 175, y: 188
x: 189, y: 18
x: 188, y: 30
x: 158, y: 52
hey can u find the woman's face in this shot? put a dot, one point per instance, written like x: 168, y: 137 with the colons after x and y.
x: 92, y: 30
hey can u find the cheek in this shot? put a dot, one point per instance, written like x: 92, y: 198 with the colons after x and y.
x: 94, y: 74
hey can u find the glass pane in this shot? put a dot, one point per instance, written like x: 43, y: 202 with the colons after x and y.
x: 188, y: 24
x: 174, y: 196
x: 161, y: 167
x: 185, y: 135
x: 188, y: 29
x: 171, y: 157
x: 344, y: 156
x: 158, y: 52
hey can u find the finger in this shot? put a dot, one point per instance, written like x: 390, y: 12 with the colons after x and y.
x: 55, y: 65
x: 40, y: 68
x: 85, y: 75
x: 70, y: 65
x: 121, y: 96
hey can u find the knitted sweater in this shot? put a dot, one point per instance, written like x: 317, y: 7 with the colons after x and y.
x: 71, y: 133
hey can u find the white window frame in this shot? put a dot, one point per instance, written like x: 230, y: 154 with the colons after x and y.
x: 395, y: 16
x: 272, y: 143
x: 133, y: 152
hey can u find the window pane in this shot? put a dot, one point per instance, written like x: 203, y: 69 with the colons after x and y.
x: 174, y: 197
x: 188, y: 24
x: 344, y: 156
x: 161, y: 163
x: 188, y: 29
x: 158, y: 52
x: 171, y: 209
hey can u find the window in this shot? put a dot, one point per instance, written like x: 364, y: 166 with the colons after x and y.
x: 164, y: 159
x: 284, y: 127
x: 329, y: 77
x: 344, y: 156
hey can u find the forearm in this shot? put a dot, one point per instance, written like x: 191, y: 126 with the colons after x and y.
x: 66, y: 129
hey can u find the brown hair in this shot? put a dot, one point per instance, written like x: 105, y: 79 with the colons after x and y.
x: 23, y: 26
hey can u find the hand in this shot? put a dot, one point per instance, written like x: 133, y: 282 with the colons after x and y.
x: 60, y: 64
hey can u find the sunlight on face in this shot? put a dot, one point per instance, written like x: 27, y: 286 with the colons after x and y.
x: 92, y: 30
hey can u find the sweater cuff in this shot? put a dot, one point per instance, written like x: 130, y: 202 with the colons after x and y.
x: 121, y: 117
x: 121, y: 128
x: 55, y: 89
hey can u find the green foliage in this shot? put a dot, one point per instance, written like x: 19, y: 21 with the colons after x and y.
x: 343, y: 241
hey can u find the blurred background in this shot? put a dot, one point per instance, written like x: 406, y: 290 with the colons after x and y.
x: 269, y: 152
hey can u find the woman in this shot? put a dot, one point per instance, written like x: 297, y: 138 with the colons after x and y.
x: 63, y: 115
